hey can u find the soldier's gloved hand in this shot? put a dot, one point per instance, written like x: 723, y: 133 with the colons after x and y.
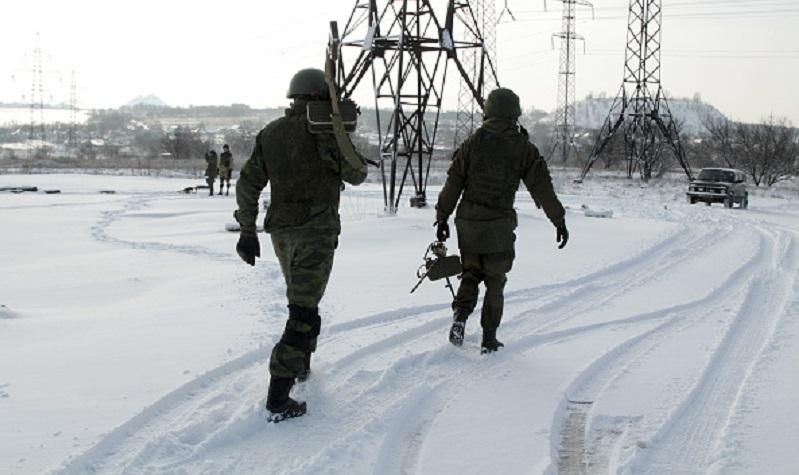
x: 248, y: 247
x: 562, y: 234
x: 442, y: 230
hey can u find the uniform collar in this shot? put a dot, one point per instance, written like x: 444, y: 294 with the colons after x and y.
x: 500, y: 126
x: 297, y: 107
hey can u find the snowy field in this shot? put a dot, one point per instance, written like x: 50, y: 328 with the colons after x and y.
x: 133, y: 340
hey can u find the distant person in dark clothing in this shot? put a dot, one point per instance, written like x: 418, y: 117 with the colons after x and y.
x: 225, y: 169
x: 211, y: 169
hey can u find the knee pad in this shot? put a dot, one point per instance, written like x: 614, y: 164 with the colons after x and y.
x: 303, y: 340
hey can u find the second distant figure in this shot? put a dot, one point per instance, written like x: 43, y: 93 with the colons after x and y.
x: 225, y: 169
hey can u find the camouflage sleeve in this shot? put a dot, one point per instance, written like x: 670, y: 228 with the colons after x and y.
x: 252, y: 180
x: 539, y: 183
x: 453, y: 187
x: 329, y: 151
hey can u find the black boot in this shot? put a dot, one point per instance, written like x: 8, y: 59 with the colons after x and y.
x: 278, y: 402
x: 490, y: 343
x: 305, y: 373
x: 458, y: 327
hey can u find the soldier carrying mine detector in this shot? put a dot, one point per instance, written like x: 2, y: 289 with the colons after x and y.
x: 484, y: 175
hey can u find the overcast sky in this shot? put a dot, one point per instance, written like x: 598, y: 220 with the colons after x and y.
x: 740, y: 55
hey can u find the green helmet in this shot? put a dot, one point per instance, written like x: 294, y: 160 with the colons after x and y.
x: 502, y: 103
x: 308, y: 82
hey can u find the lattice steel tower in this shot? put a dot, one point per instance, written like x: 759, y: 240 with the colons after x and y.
x: 478, y: 64
x: 640, y: 108
x: 406, y: 49
x: 37, y: 129
x: 563, y: 129
x: 73, y: 111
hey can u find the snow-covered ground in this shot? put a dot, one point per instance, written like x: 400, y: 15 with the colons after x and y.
x: 133, y: 340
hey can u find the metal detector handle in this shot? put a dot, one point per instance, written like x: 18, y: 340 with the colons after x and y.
x: 418, y: 284
x: 421, y: 276
x: 451, y: 290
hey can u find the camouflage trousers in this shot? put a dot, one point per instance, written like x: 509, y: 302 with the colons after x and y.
x: 306, y: 259
x: 490, y: 269
x: 210, y: 181
x: 224, y: 176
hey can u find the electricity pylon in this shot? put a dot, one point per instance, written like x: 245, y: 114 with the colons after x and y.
x: 640, y: 108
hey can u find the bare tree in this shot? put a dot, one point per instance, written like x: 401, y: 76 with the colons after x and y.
x: 719, y: 143
x: 767, y: 151
x: 771, y: 149
x: 183, y: 142
x: 242, y: 140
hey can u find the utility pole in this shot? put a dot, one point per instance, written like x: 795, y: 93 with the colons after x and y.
x: 477, y: 62
x: 563, y: 128
x: 405, y: 48
x: 640, y: 108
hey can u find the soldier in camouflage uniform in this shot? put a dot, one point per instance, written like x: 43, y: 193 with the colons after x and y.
x: 211, y: 169
x: 484, y: 175
x: 225, y: 169
x: 306, y: 173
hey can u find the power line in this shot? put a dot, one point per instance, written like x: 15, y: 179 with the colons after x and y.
x: 747, y: 12
x: 763, y: 54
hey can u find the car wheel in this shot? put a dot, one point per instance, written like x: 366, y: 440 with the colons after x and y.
x: 691, y: 200
x: 745, y: 202
x: 728, y: 202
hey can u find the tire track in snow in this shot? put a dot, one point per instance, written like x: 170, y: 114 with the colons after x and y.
x: 99, y: 232
x: 605, y: 288
x: 684, y: 312
x: 414, y: 430
x: 690, y: 440
x: 384, y: 383
x: 674, y: 243
x: 591, y: 383
x: 95, y: 459
x: 264, y: 273
x: 577, y: 296
x: 594, y: 380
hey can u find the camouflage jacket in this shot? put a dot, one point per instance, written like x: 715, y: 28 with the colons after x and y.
x: 305, y: 172
x: 211, y: 169
x: 225, y: 161
x: 485, y: 175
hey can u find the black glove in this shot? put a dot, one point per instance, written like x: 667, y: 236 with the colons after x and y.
x: 248, y: 247
x: 442, y: 230
x: 562, y: 234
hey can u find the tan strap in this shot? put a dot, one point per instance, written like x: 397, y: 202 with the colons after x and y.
x: 342, y: 139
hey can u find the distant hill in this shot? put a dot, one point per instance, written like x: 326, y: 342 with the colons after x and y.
x: 591, y: 113
x: 146, y: 101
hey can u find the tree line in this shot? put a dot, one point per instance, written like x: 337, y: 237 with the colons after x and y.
x: 768, y: 151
